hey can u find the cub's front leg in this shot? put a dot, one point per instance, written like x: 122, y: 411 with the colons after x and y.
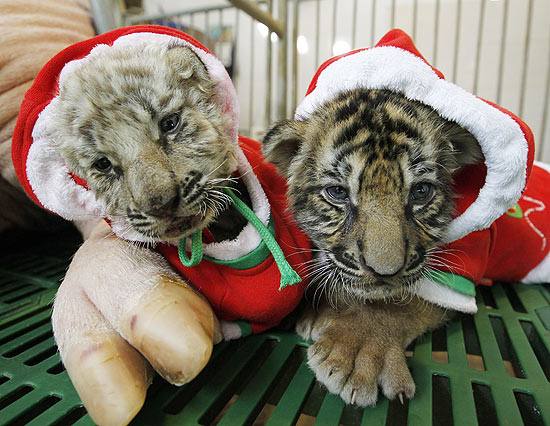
x: 360, y: 347
x: 120, y: 310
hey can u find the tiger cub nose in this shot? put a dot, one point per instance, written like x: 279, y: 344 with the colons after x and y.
x: 385, y: 271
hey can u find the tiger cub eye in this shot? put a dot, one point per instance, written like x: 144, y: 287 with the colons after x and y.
x: 421, y: 192
x: 169, y: 123
x: 337, y: 193
x: 103, y: 164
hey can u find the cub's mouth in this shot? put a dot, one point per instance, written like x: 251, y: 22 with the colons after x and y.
x: 345, y: 282
x: 210, y: 208
x: 180, y: 226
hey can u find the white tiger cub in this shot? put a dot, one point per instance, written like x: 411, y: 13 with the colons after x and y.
x: 139, y: 126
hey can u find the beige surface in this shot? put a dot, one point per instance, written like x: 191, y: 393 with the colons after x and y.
x: 31, y: 32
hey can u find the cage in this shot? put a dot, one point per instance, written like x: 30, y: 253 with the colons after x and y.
x: 492, y: 368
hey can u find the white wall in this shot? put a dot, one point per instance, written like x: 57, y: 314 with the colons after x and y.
x: 165, y: 6
x: 506, y: 62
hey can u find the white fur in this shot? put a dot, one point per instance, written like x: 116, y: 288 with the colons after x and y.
x: 540, y: 273
x: 445, y: 297
x: 230, y: 330
x: 249, y: 238
x: 500, y: 137
x: 46, y: 171
x: 50, y: 179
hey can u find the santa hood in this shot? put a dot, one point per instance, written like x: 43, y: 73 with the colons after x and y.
x: 41, y: 169
x: 395, y: 64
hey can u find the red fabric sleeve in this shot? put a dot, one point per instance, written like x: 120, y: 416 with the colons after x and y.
x: 467, y: 257
x: 253, y: 294
x: 45, y: 88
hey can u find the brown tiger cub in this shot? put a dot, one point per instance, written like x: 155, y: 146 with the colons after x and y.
x: 412, y: 190
x: 369, y: 180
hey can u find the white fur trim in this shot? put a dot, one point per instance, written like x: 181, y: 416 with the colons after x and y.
x: 500, y: 137
x: 50, y: 179
x: 540, y: 273
x: 249, y: 238
x: 445, y: 297
x: 46, y: 171
x: 230, y: 330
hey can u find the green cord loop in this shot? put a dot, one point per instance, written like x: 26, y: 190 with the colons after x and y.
x: 196, y: 249
x: 288, y: 275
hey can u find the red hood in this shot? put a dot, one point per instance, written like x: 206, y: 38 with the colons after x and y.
x: 505, y: 140
x: 41, y: 170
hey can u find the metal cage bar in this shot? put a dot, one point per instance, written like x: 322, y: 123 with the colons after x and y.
x: 486, y: 65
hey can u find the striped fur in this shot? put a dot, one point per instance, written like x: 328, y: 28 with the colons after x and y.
x: 395, y: 160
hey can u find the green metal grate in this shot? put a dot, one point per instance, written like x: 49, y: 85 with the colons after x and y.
x: 489, y: 369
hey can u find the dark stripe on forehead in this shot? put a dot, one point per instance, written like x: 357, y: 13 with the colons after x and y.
x: 132, y: 115
x: 399, y: 125
x: 378, y: 97
x: 361, y: 183
x: 332, y: 173
x: 372, y: 157
x: 348, y: 132
x: 417, y: 159
x: 344, y: 110
x: 347, y: 151
x: 352, y: 103
x: 139, y: 98
x: 401, y: 177
x: 389, y: 148
x: 164, y: 101
x: 86, y: 131
x: 148, y: 106
x: 382, y: 177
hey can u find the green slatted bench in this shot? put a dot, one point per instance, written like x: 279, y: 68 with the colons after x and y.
x: 489, y: 369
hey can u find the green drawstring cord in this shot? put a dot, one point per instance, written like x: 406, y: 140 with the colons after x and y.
x: 196, y: 249
x: 288, y: 275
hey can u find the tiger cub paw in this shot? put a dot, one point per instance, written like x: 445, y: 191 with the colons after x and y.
x: 354, y: 364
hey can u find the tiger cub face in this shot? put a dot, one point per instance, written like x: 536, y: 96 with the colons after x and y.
x: 370, y: 178
x: 142, y: 126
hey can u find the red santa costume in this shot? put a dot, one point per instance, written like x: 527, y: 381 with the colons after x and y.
x: 241, y: 278
x: 501, y: 223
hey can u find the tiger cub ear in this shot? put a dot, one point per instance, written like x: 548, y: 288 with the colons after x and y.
x: 187, y: 64
x: 282, y: 142
x: 465, y: 147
